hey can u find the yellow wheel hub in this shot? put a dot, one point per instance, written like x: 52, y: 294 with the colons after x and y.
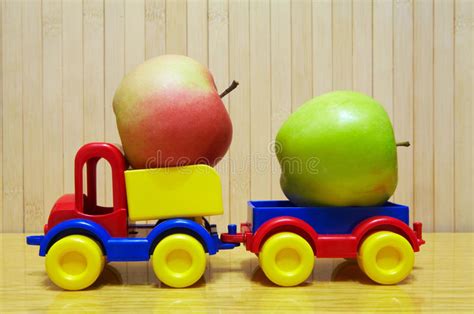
x: 388, y: 258
x: 287, y: 260
x: 73, y: 263
x: 179, y: 261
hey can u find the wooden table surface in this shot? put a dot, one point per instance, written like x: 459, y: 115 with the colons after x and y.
x: 441, y: 281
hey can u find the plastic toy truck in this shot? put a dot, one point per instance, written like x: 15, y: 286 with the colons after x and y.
x: 287, y: 238
x: 81, y: 236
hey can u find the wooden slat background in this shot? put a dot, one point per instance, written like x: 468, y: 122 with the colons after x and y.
x: 62, y: 60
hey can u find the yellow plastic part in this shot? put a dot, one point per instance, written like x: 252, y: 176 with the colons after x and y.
x: 287, y: 259
x: 187, y: 191
x: 386, y: 257
x: 179, y: 260
x: 74, y: 262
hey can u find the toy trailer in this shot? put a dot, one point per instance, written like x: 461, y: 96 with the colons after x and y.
x: 81, y: 236
x: 286, y: 239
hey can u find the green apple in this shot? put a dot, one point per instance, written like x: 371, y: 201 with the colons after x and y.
x: 338, y: 149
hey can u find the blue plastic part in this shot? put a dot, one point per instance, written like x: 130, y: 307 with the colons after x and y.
x: 187, y: 226
x: 232, y: 229
x: 129, y: 249
x: 324, y: 220
x: 223, y: 245
x: 227, y: 246
x: 140, y: 249
x: 74, y: 226
x: 34, y: 240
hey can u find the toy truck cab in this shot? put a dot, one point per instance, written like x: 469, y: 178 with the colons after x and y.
x: 80, y: 236
x: 84, y: 206
x: 287, y: 238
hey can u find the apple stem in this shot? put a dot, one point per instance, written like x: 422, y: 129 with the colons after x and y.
x: 406, y: 144
x: 232, y: 86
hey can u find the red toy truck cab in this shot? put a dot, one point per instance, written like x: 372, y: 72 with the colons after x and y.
x: 84, y: 206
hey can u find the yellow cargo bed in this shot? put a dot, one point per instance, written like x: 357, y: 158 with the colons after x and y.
x: 189, y: 191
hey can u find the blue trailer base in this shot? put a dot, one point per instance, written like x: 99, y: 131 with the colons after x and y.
x: 324, y: 219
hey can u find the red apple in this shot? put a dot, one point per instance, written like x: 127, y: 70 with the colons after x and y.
x: 169, y: 113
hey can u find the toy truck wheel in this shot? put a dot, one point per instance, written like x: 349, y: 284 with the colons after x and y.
x: 386, y: 257
x: 179, y: 260
x: 74, y: 262
x: 287, y: 259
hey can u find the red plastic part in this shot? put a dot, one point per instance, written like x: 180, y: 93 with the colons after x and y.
x: 336, y: 246
x: 244, y: 236
x: 386, y: 224
x: 282, y: 224
x: 325, y: 245
x: 417, y: 227
x: 78, y: 205
x: 92, y: 153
